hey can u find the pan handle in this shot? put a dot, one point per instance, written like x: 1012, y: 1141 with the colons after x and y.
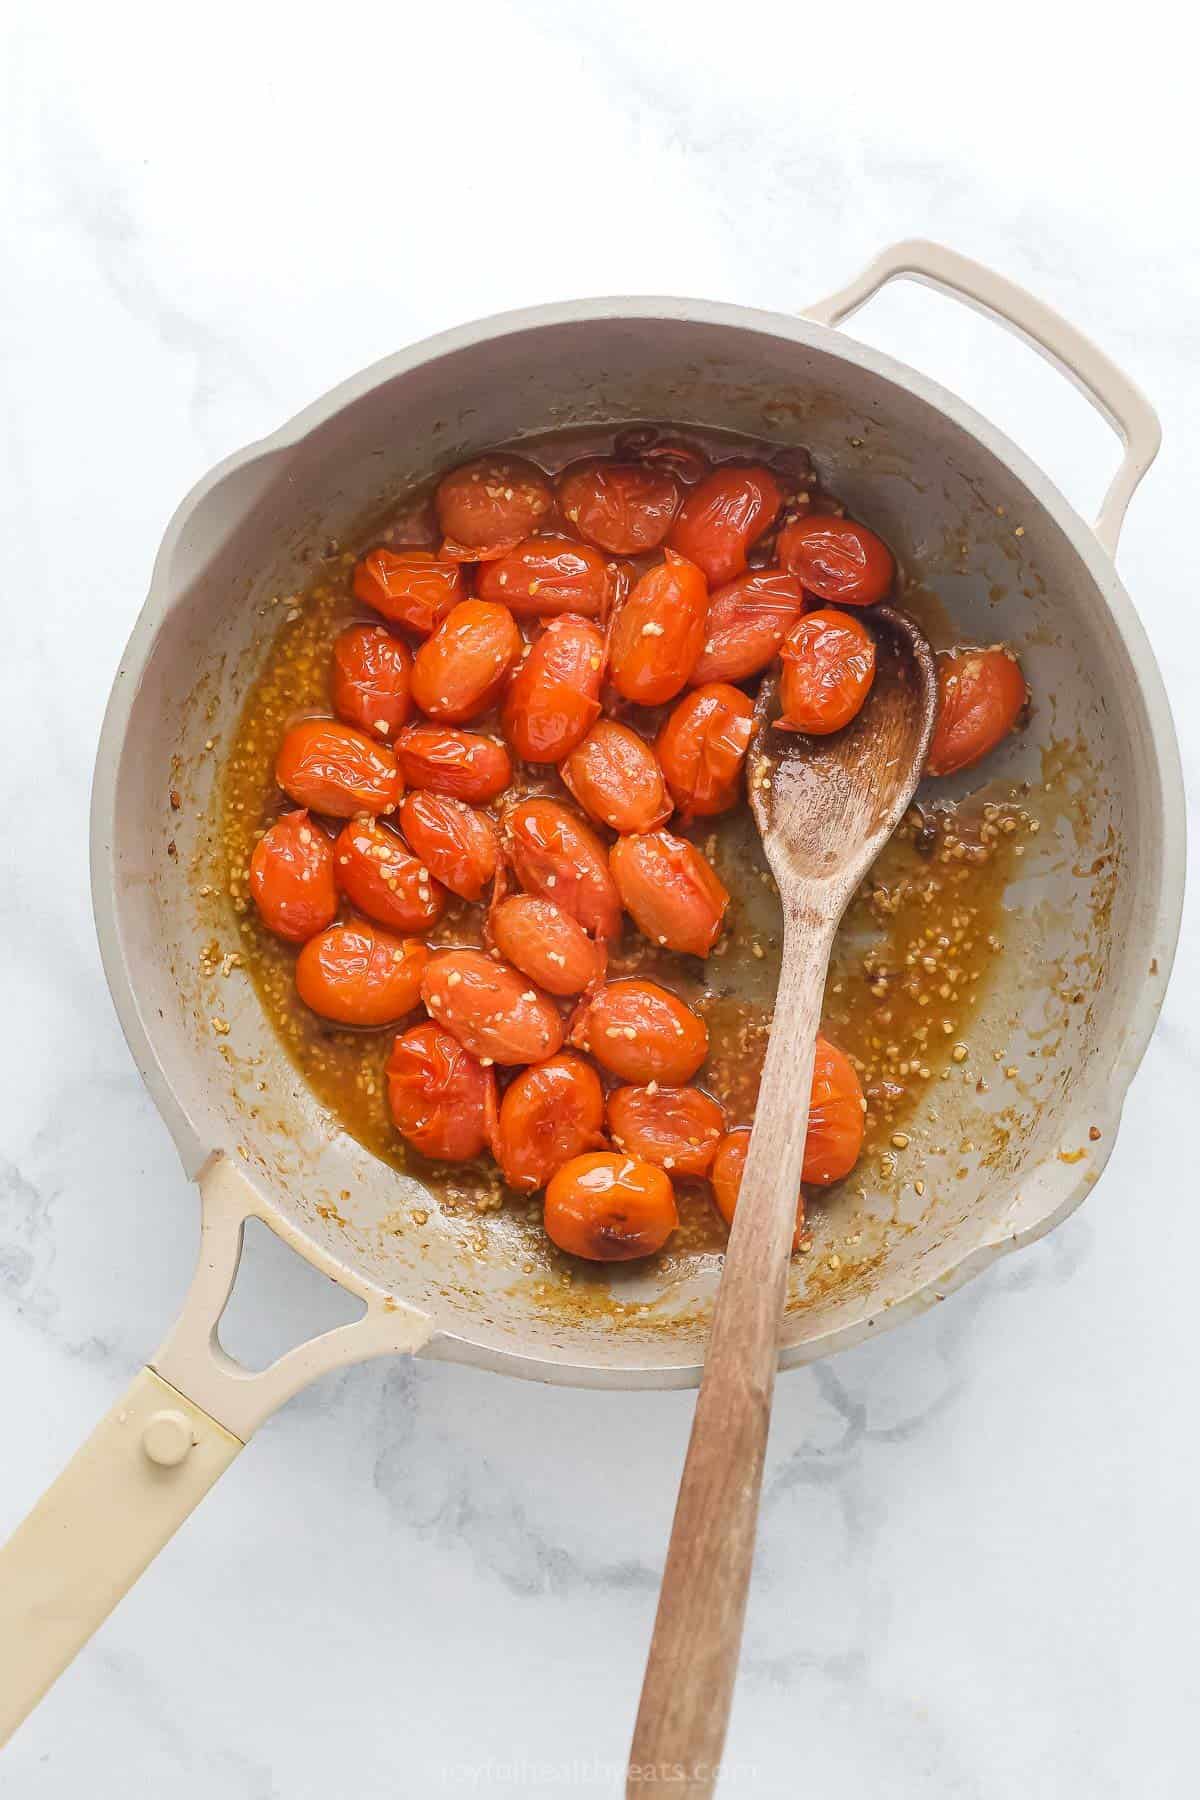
x: 1110, y: 391
x: 154, y: 1457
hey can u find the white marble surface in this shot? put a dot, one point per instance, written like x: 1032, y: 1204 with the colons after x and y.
x: 978, y: 1573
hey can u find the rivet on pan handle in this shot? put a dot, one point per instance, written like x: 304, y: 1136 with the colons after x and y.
x: 152, y: 1459
x: 1110, y: 391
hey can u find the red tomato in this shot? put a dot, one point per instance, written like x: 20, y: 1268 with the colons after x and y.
x: 615, y: 777
x: 558, y: 857
x: 555, y: 694
x: 658, y: 634
x: 447, y: 761
x: 609, y: 1208
x: 726, y: 1173
x: 360, y: 975
x: 461, y: 669
x: 546, y: 944
x: 981, y: 695
x: 491, y: 1008
x: 457, y: 845
x: 835, y: 1117
x: 336, y: 770
x: 702, y: 748
x: 722, y: 517
x: 622, y: 507
x: 374, y: 870
x: 441, y: 1100
x: 674, y: 894
x: 549, y: 1114
x: 828, y: 665
x: 640, y: 1032
x: 414, y: 588
x: 492, y: 503
x: 747, y: 621
x: 291, y: 878
x: 837, y: 559
x: 547, y: 575
x: 369, y: 679
x: 676, y: 1128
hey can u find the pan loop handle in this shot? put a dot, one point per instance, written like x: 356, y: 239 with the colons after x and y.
x: 1110, y: 391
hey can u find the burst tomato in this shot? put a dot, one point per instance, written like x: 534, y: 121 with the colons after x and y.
x: 702, y: 748
x: 747, y: 621
x: 369, y: 680
x: 658, y: 634
x: 461, y: 669
x: 557, y: 856
x: 336, y: 770
x: 373, y: 868
x: 554, y: 697
x: 413, y: 588
x: 491, y: 504
x: 674, y: 894
x: 442, y: 1101
x: 444, y: 760
x: 491, y: 1008
x: 722, y: 517
x: 549, y: 1114
x: 676, y: 1128
x: 609, y: 1208
x: 457, y: 844
x: 728, y: 1167
x: 291, y: 878
x: 828, y: 665
x: 546, y: 944
x: 359, y: 974
x: 837, y: 559
x: 623, y: 507
x: 641, y: 1032
x: 835, y: 1117
x: 615, y: 777
x: 547, y: 575
x: 981, y: 696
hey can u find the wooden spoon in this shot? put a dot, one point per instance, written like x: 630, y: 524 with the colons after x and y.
x: 825, y: 807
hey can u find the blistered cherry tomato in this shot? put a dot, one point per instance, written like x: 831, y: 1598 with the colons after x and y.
x: 447, y: 761
x: 722, y: 517
x: 413, y: 588
x: 549, y: 1114
x: 835, y: 1117
x: 609, y: 1208
x: 674, y: 894
x: 726, y: 1173
x: 374, y: 869
x: 441, y: 1099
x: 461, y: 669
x: 641, y: 1032
x: 747, y: 621
x: 547, y: 575
x: 702, y: 748
x: 291, y: 878
x: 334, y: 769
x: 546, y: 944
x: 555, y: 694
x: 559, y: 857
x: 837, y: 559
x: 615, y: 777
x: 622, y: 507
x: 369, y: 679
x: 491, y: 1008
x: 360, y: 974
x: 457, y: 844
x: 491, y: 503
x: 981, y: 695
x: 828, y: 665
x: 658, y: 634
x: 676, y: 1128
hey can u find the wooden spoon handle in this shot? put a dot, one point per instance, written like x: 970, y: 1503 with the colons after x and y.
x: 693, y: 1658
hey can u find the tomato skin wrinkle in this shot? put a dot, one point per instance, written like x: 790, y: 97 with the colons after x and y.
x: 702, y: 748
x: 492, y: 502
x: 641, y: 1032
x: 609, y: 1208
x: 658, y: 633
x: 723, y: 515
x: 456, y: 842
x: 413, y: 588
x: 332, y: 768
x: 747, y: 621
x: 359, y: 974
x: 547, y: 576
x: 554, y: 697
x: 555, y: 855
x: 615, y: 776
x: 676, y: 1128
x: 837, y: 559
x: 675, y: 896
x: 981, y: 697
x: 460, y: 670
x: 546, y: 944
x: 624, y: 508
x: 291, y: 878
x: 827, y: 668
x: 491, y: 1008
x: 370, y: 680
x: 550, y: 1113
x: 835, y: 1117
x: 445, y: 760
x: 378, y: 874
x: 441, y: 1099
